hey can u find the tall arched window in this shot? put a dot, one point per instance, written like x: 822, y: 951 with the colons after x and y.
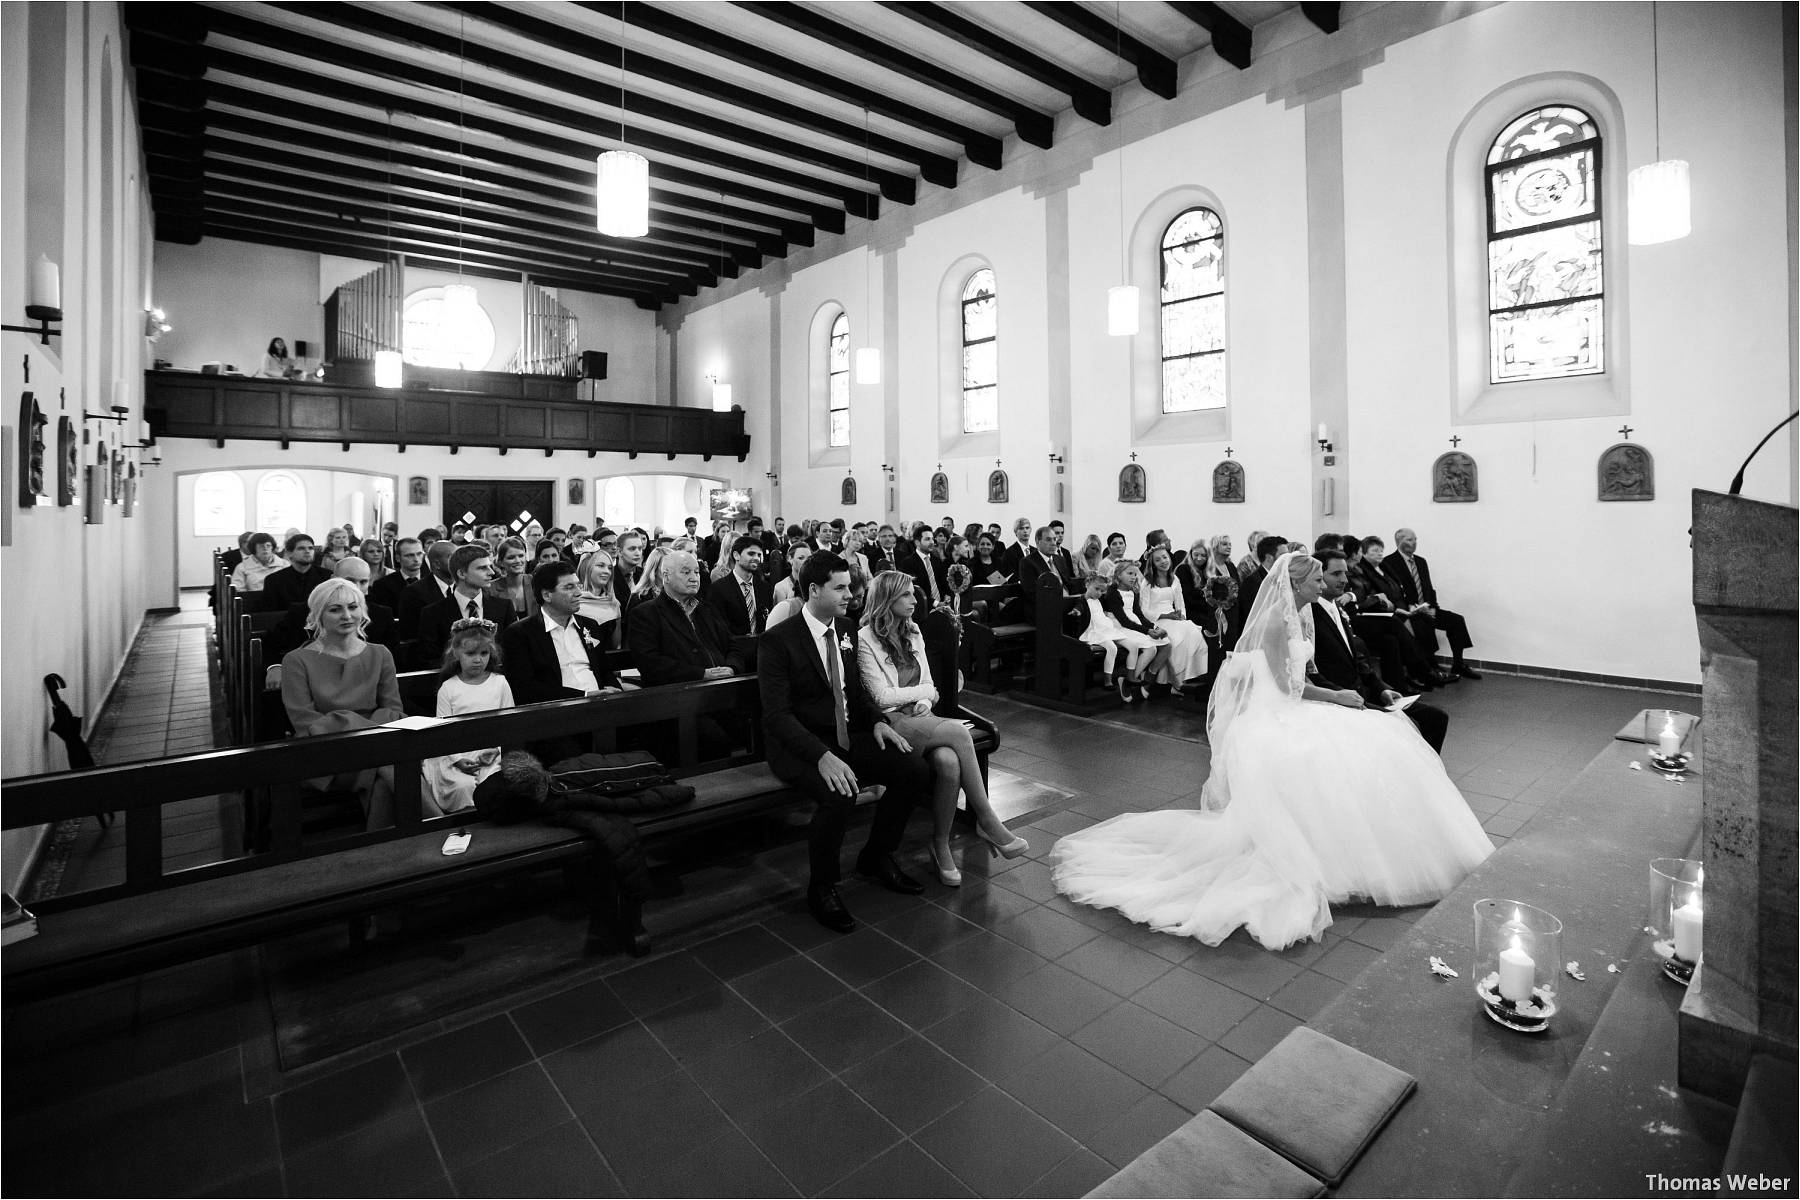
x: 1546, y: 303
x: 280, y: 503
x: 980, y: 358
x: 1193, y: 312
x: 618, y: 503
x: 837, y: 374
x: 218, y: 504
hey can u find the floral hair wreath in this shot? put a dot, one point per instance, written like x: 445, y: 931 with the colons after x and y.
x: 472, y: 625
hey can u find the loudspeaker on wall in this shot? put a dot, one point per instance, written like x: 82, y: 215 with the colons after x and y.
x: 593, y: 364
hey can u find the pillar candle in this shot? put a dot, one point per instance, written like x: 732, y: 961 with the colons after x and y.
x: 1668, y: 742
x: 1517, y: 970
x: 46, y: 284
x: 1686, y: 922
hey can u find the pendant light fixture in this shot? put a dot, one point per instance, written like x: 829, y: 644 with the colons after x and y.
x: 1122, y: 299
x: 868, y: 358
x: 388, y: 372
x: 621, y: 177
x: 721, y: 391
x: 1658, y: 206
x: 459, y: 297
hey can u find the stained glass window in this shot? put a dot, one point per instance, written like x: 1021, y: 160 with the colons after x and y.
x: 1193, y: 312
x: 837, y: 373
x: 1546, y: 294
x: 280, y: 503
x: 980, y: 361
x: 218, y: 504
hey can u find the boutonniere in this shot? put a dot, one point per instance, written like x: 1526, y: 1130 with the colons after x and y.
x: 844, y: 643
x: 588, y: 639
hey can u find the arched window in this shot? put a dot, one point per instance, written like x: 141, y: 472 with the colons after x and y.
x: 618, y: 503
x: 437, y: 335
x: 1193, y: 312
x: 280, y: 503
x: 837, y: 374
x: 218, y: 504
x: 1546, y: 303
x: 980, y: 359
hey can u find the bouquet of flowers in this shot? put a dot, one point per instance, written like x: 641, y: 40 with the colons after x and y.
x: 959, y: 577
x: 1220, y: 593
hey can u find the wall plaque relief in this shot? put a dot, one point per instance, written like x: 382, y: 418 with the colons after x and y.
x: 1228, y: 483
x: 577, y: 491
x: 418, y: 490
x: 847, y: 492
x: 1454, y: 479
x: 1627, y: 471
x: 33, y: 490
x: 940, y: 488
x: 1133, y: 484
x: 999, y: 490
x: 68, y: 461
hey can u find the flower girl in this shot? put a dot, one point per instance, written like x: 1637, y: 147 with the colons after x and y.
x: 469, y: 686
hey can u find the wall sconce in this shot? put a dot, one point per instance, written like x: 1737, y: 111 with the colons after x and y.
x: 773, y: 477
x: 888, y: 471
x: 119, y: 413
x: 45, y: 305
x: 1325, y: 439
x: 156, y: 323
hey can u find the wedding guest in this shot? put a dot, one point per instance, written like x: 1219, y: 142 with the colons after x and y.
x: 744, y: 596
x: 1267, y: 551
x: 1410, y: 570
x: 598, y: 604
x: 467, y: 683
x: 260, y: 563
x: 434, y: 583
x: 989, y: 565
x: 372, y: 552
x: 1091, y: 560
x: 409, y: 563
x: 890, y: 655
x: 649, y: 587
x: 1159, y: 600
x: 512, y: 582
x: 789, y: 588
x: 1126, y: 653
x: 295, y: 584
x: 472, y: 567
x: 1382, y: 624
x: 1022, y: 545
x: 1250, y: 562
x: 1042, y: 559
x: 926, y: 568
x: 629, y: 570
x: 1342, y: 661
x: 275, y: 362
x: 558, y: 655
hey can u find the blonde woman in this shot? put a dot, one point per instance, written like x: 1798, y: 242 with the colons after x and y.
x: 649, y: 585
x: 1091, y: 561
x: 722, y: 568
x: 890, y: 654
x: 598, y: 604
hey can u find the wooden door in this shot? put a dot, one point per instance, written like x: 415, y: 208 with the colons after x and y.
x: 513, y: 503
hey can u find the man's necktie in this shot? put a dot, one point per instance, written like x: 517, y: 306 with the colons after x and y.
x: 1418, y: 588
x: 834, y: 671
x: 472, y: 610
x: 750, y: 607
x: 931, y: 581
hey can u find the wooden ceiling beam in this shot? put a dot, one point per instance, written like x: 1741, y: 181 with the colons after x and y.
x: 1033, y: 127
x: 1321, y: 14
x: 1092, y: 102
x: 982, y: 148
x: 1230, y: 36
x: 1155, y: 70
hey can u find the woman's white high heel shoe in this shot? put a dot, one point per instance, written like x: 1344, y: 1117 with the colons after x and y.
x: 945, y: 862
x: 1012, y: 849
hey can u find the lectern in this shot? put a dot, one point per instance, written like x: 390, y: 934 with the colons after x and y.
x: 1741, y: 1001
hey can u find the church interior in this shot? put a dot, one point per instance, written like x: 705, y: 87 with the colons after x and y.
x: 1516, y: 280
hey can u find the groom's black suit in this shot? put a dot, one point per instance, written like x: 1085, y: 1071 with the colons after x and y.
x: 1346, y: 665
x: 799, y: 711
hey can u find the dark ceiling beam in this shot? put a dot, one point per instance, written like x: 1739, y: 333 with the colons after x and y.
x: 271, y: 184
x: 1155, y: 70
x: 332, y: 213
x: 1230, y: 36
x: 1324, y: 15
x: 1033, y: 127
x: 706, y: 186
x: 267, y: 234
x: 935, y: 168
x: 479, y: 161
x: 983, y: 149
x: 827, y: 217
x: 574, y: 188
x: 899, y: 188
x: 1092, y: 102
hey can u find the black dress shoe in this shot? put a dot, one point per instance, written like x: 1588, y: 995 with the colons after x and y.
x: 827, y: 908
x: 1468, y: 673
x: 1442, y: 678
x: 888, y: 874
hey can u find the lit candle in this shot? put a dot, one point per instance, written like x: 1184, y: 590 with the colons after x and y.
x: 1686, y: 922
x: 1517, y: 971
x: 46, y: 284
x: 1324, y: 432
x: 1668, y: 742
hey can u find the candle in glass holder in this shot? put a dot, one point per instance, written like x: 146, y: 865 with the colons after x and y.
x: 1668, y: 742
x: 1686, y: 922
x: 1517, y: 971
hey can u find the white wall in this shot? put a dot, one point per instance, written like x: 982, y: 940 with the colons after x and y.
x: 68, y: 140
x: 329, y: 502
x: 627, y: 334
x: 1337, y: 277
x: 201, y: 289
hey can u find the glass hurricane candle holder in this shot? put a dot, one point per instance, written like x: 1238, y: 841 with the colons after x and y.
x: 1668, y: 733
x: 1676, y: 914
x: 1518, y: 953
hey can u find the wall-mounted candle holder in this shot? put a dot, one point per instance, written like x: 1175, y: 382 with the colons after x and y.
x: 45, y: 317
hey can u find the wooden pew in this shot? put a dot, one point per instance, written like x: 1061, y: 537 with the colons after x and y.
x: 1065, y: 665
x: 987, y: 635
x: 158, y: 917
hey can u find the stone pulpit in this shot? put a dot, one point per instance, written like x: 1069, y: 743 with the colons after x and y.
x: 1741, y: 1002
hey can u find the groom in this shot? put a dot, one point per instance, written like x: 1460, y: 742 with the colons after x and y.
x: 1341, y: 661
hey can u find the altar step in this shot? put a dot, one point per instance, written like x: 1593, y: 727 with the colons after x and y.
x: 1762, y: 1140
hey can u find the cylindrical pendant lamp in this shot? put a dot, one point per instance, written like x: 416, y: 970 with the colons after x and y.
x: 1659, y: 208
x: 622, y: 194
x: 387, y: 368
x: 1122, y: 310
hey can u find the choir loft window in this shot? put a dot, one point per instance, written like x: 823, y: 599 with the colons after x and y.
x: 439, y: 335
x: 837, y: 374
x: 280, y: 503
x: 1546, y: 302
x: 980, y: 360
x: 1193, y: 312
x: 218, y: 504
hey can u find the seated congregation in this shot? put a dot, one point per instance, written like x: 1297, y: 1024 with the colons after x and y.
x: 823, y: 615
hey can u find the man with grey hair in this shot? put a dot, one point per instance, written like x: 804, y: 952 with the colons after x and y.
x: 1412, y: 574
x: 381, y: 617
x: 679, y: 637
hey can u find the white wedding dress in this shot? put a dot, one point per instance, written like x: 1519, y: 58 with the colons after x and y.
x: 1308, y: 804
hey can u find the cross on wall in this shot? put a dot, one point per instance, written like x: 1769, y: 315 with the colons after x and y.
x: 1625, y: 432
x: 1455, y: 440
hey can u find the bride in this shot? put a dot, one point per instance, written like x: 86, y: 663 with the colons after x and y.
x: 1313, y: 799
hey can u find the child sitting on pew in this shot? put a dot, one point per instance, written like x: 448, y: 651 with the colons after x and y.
x: 469, y: 686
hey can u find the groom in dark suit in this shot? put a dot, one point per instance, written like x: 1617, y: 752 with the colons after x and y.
x: 825, y: 739
x: 1341, y: 661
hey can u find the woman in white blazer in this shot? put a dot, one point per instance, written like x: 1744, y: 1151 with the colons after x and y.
x: 890, y: 654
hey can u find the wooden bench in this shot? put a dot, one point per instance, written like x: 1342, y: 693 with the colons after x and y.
x: 158, y: 917
x: 1066, y: 666
x: 988, y: 638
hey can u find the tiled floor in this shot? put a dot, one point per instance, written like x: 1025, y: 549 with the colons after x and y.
x: 991, y: 1040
